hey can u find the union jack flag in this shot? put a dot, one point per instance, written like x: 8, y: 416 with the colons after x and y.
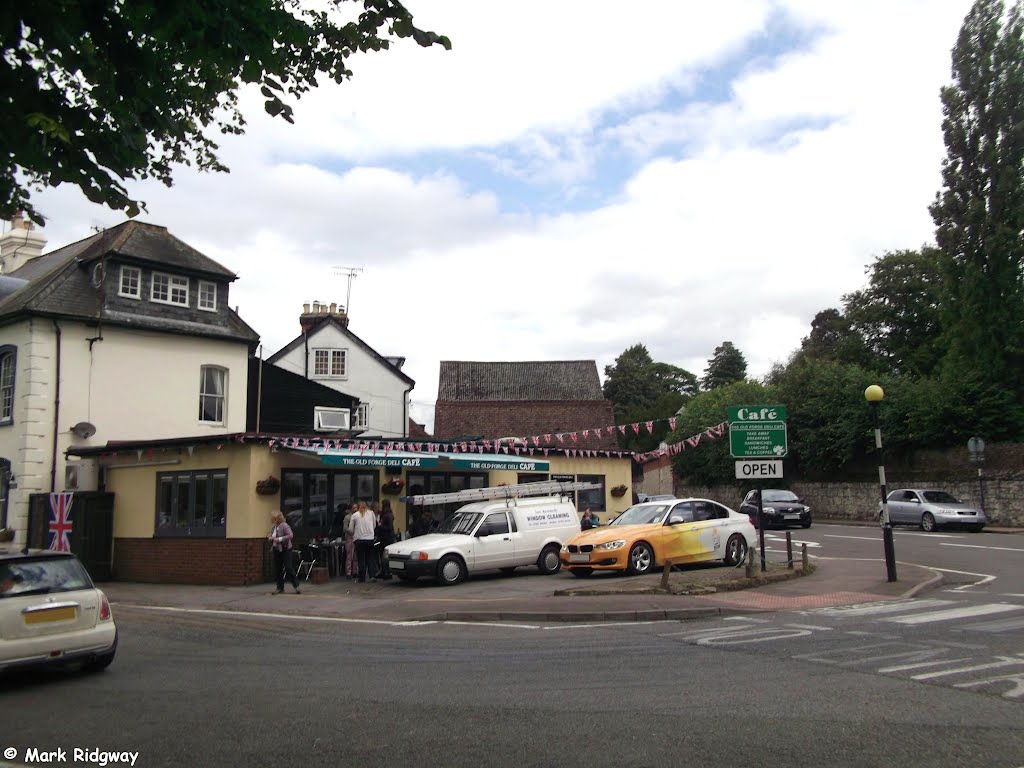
x: 60, y: 521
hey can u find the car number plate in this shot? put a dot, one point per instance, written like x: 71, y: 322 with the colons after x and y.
x: 50, y: 614
x: 792, y: 517
x: 580, y: 558
x: 396, y: 565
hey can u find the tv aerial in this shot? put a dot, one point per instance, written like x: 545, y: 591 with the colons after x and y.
x: 351, y: 273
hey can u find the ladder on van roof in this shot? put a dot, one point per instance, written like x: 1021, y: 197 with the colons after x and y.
x: 546, y: 488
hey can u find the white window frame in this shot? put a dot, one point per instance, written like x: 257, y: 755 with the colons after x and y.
x: 334, y: 366
x: 222, y: 396
x: 330, y: 419
x: 129, y: 272
x: 8, y: 361
x: 173, y: 283
x: 361, y: 416
x: 206, y: 285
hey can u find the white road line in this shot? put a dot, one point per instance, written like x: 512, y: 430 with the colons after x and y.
x: 491, y: 624
x: 747, y: 618
x: 928, y: 535
x: 861, y: 538
x: 257, y: 615
x: 1005, y: 661
x: 985, y: 578
x: 982, y: 546
x: 920, y: 665
x: 997, y: 626
x: 956, y: 613
x: 879, y: 608
x: 811, y: 626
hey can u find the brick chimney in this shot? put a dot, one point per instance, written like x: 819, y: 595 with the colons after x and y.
x: 315, y: 313
x: 19, y: 244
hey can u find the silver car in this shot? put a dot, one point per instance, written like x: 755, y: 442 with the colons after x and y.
x: 932, y: 509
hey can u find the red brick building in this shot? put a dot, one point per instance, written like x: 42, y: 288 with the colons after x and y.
x: 523, y: 399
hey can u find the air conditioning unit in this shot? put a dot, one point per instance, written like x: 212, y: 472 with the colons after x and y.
x: 82, y: 475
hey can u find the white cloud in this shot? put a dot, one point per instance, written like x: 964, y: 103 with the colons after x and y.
x: 736, y: 219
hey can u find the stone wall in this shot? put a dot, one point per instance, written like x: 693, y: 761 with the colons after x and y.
x: 1004, y: 498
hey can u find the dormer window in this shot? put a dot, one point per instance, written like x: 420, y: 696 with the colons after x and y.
x: 169, y: 289
x: 207, y: 296
x: 130, y: 285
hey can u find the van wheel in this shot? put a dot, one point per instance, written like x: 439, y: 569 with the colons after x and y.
x: 450, y: 571
x: 641, y: 559
x: 581, y: 572
x: 549, y: 562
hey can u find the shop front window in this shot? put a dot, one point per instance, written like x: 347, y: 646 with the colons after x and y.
x: 314, y: 502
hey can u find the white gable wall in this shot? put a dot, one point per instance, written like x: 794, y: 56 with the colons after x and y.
x: 131, y: 385
x: 367, y: 377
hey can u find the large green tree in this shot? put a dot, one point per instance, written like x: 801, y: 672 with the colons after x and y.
x: 832, y: 337
x: 898, y: 314
x: 979, y: 212
x: 97, y: 92
x: 643, y: 390
x: 727, y: 365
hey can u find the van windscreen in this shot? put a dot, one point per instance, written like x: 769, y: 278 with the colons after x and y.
x: 463, y: 523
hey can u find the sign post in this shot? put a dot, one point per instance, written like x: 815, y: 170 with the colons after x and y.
x: 758, y: 432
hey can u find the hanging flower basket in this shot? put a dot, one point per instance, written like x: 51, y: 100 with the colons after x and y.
x: 393, y: 485
x: 268, y: 487
x: 619, y: 490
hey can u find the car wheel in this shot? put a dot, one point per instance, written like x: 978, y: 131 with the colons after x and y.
x: 641, y: 559
x: 928, y: 522
x: 549, y: 562
x: 450, y: 571
x: 735, y: 550
x: 581, y: 572
x: 101, y: 662
x: 806, y: 523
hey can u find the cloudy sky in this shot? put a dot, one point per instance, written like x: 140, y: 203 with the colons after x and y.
x: 576, y: 177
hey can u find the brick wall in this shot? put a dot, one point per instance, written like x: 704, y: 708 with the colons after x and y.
x: 229, y: 562
x: 527, y: 418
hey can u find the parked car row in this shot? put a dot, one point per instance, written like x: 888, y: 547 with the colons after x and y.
x: 545, y: 532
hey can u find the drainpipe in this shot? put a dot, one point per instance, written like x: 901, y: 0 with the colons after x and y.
x: 405, y: 411
x: 56, y: 413
x: 305, y: 364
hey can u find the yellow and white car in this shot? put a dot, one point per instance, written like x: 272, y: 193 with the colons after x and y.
x: 646, y: 535
x: 51, y: 613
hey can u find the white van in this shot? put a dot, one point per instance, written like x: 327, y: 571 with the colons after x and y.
x: 489, y: 535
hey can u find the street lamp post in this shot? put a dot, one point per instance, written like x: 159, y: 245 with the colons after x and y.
x: 874, y: 395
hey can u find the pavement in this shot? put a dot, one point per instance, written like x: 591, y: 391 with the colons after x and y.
x: 527, y: 596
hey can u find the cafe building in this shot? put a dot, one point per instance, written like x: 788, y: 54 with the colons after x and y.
x: 197, y: 510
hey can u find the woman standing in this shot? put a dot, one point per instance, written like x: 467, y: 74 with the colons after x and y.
x: 280, y: 538
x: 364, y: 523
x: 350, y: 547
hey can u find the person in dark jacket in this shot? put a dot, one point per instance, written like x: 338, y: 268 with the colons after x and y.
x: 385, y: 535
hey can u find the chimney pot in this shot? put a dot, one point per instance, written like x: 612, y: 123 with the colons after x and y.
x: 321, y: 309
x: 334, y: 308
x: 305, y: 308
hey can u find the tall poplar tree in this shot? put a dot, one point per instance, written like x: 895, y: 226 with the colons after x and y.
x: 979, y: 213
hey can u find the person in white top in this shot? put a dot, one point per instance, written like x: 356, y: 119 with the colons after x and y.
x: 364, y: 524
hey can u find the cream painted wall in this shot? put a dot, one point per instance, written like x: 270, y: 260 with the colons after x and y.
x: 130, y: 385
x: 368, y: 379
x: 248, y: 514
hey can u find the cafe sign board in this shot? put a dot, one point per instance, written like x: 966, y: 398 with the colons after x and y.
x: 758, y: 431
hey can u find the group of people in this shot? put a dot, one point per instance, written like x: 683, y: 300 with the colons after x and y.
x: 367, y: 531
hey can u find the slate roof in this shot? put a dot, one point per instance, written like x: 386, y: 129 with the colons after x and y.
x: 541, y: 380
x: 74, y: 282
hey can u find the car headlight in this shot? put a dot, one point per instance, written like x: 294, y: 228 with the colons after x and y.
x: 417, y: 555
x: 617, y: 544
x: 807, y: 509
x: 768, y: 510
